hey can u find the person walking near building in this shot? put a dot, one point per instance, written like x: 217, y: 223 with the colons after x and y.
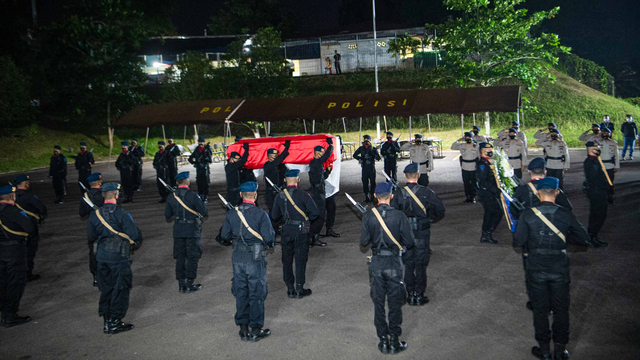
x: 336, y: 58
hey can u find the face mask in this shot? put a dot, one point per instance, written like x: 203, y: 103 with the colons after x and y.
x: 554, y: 137
x: 606, y: 120
x: 512, y: 136
x: 597, y: 152
x: 596, y: 131
x: 629, y: 119
x: 468, y: 141
x: 389, y: 138
x: 606, y: 136
x: 489, y: 153
x: 418, y: 142
x: 475, y: 132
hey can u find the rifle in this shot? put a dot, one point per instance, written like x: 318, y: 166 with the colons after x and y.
x: 518, y: 205
x: 91, y: 205
x: 362, y: 209
x: 274, y: 186
x: 83, y: 187
x: 605, y: 171
x: 226, y: 203
x: 394, y: 182
x: 171, y: 189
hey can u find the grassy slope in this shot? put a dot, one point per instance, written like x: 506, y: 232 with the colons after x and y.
x: 571, y: 105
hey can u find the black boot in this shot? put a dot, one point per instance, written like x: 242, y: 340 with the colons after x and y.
x: 14, y: 320
x: 559, y: 352
x: 383, y: 345
x: 332, y: 233
x: 291, y: 292
x: 486, y: 238
x: 107, y: 320
x: 117, y: 326
x: 529, y: 305
x: 258, y: 334
x: 396, y: 345
x: 420, y: 299
x: 181, y: 286
x: 367, y: 199
x: 302, y: 292
x: 610, y: 199
x: 95, y: 280
x: 468, y: 199
x: 244, y: 333
x: 315, y: 241
x: 191, y: 287
x: 411, y: 298
x: 542, y: 352
x: 32, y: 277
x: 597, y: 243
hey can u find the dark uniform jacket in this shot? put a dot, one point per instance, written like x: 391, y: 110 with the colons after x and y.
x: 547, y: 251
x: 16, y: 220
x: 595, y: 179
x: 257, y: 219
x: 232, y: 171
x: 274, y: 169
x: 84, y: 161
x: 316, y: 169
x: 367, y: 156
x: 487, y: 186
x: 201, y: 156
x: 390, y: 150
x: 120, y: 220
x: 160, y: 163
x: 419, y: 220
x: 187, y: 224
x: 31, y: 203
x: 247, y: 175
x: 282, y: 207
x: 173, y: 153
x: 58, y: 166
x: 526, y: 196
x: 138, y: 153
x: 95, y: 195
x: 126, y: 161
x: 373, y: 234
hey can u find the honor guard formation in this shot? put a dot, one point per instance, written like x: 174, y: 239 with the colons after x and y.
x: 396, y: 226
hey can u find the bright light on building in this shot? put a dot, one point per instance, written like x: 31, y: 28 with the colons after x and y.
x: 157, y: 64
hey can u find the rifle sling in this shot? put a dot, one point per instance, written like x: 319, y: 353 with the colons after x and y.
x: 28, y: 212
x: 294, y: 205
x: 106, y: 224
x: 534, y: 190
x: 549, y: 224
x: 415, y: 198
x: 244, y: 222
x: 185, y: 206
x: 386, y: 229
x: 19, y: 233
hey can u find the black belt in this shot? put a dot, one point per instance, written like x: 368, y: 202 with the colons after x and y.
x: 186, y: 221
x: 516, y: 157
x: 555, y: 158
x: 469, y: 161
x: 242, y: 247
x: 547, y: 251
x: 613, y: 160
x: 294, y: 222
x: 382, y: 252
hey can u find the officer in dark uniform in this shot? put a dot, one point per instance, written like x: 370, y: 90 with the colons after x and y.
x: 367, y: 156
x: 420, y: 214
x: 389, y: 151
x: 489, y: 194
x: 113, y: 245
x: 84, y: 160
x: 250, y: 230
x: 297, y: 209
x: 161, y: 164
x: 37, y: 211
x: 389, y: 235
x: 16, y: 228
x: 597, y: 187
x: 273, y: 170
x: 138, y: 154
x: 173, y: 154
x: 126, y: 164
x: 543, y: 231
x: 58, y: 174
x: 331, y: 207
x: 318, y: 191
x: 232, y: 172
x: 187, y: 228
x: 95, y: 196
x: 201, y: 158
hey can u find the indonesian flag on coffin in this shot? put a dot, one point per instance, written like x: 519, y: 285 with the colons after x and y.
x: 300, y: 154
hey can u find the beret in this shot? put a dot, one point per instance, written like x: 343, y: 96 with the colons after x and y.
x: 367, y: 137
x: 238, y: 138
x: 554, y: 131
x: 82, y: 143
x: 514, y: 130
x: 475, y: 127
x: 485, y: 145
x: 57, y: 147
x: 21, y: 178
x: 124, y: 143
x: 7, y: 189
x: 516, y: 123
x: 249, y: 186
x: 468, y: 134
x: 552, y: 124
x: 111, y: 186
x: 590, y: 144
x: 134, y: 139
x: 418, y: 136
x: 318, y: 148
x: 161, y: 143
x: 389, y: 133
x: 595, y: 125
x: 182, y: 176
x: 94, y: 177
x: 537, y: 163
x: 200, y: 138
x: 292, y: 173
x: 548, y: 183
x: 384, y: 188
x: 234, y: 154
x: 272, y: 151
x: 272, y: 135
x: 411, y: 168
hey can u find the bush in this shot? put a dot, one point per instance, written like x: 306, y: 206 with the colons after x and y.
x: 15, y: 98
x: 587, y: 72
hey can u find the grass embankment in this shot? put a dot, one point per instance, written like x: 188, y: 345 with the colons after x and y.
x: 573, y: 106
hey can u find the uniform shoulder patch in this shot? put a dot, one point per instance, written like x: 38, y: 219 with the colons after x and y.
x: 130, y: 217
x: 24, y: 214
x: 482, y: 167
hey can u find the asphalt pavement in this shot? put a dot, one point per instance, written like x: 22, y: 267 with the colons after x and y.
x: 477, y: 292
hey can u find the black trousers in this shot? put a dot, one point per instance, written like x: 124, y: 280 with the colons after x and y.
x: 338, y: 70
x: 32, y: 248
x: 612, y: 176
x: 93, y: 264
x: 598, y: 206
x: 249, y: 286
x: 269, y: 199
x: 550, y: 291
x: 330, y: 205
x: 127, y: 178
x: 415, y: 265
x: 202, y: 180
x: 162, y: 190
x: 423, y: 180
x: 391, y: 168
x: 82, y: 177
x: 387, y: 285
x: 368, y: 180
x: 187, y: 252
x: 318, y: 196
x: 13, y: 280
x: 469, y: 180
x: 518, y: 173
x: 137, y: 177
x: 558, y: 174
x: 59, y: 183
x: 294, y: 246
x: 172, y: 171
x: 114, y: 281
x: 492, y: 212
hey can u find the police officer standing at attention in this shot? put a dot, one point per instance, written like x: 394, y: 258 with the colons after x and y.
x: 173, y: 153
x: 519, y: 134
x: 610, y: 158
x: 115, y: 236
x: 318, y: 191
x: 58, y: 173
x: 250, y: 230
x: 138, y: 154
x: 597, y: 186
x: 388, y: 232
x: 516, y: 151
x: 591, y: 135
x: 95, y: 196
x: 126, y: 164
x: 84, y: 160
x: 232, y: 172
x: 274, y: 170
x: 543, y: 231
x: 468, y: 159
x: 161, y: 164
x: 16, y: 228
x: 556, y: 153
x: 201, y: 158
x: 422, y: 207
x: 421, y: 154
x: 489, y: 194
x: 297, y: 210
x: 187, y: 209
x: 367, y: 156
x: 37, y: 211
x: 540, y: 134
x: 476, y: 135
x: 389, y: 151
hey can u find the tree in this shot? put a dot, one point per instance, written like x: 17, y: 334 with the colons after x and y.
x: 403, y: 45
x: 247, y: 16
x: 15, y: 98
x: 492, y: 42
x: 190, y: 79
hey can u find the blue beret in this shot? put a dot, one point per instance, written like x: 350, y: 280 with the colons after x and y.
x: 384, y: 188
x: 513, y: 130
x: 554, y: 131
x: 318, y: 148
x: 537, y: 163
x: 485, y: 145
x: 7, y: 189
x: 367, y: 137
x: 134, y: 139
x: 389, y: 133
x: 94, y: 177
x: 161, y: 143
x: 312, y: 133
x: 272, y: 135
x: 468, y: 134
x: 234, y: 154
x: 111, y: 186
x: 82, y: 143
x: 249, y: 186
x: 21, y: 178
x: 124, y: 143
x: 418, y: 136
x: 57, y: 147
x: 182, y: 176
x: 552, y: 124
x: 292, y: 173
x: 475, y: 127
x: 515, y: 123
x: 606, y: 129
x: 595, y: 125
x: 548, y: 183
x: 200, y: 138
x: 411, y: 168
x: 238, y: 138
x: 272, y: 151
